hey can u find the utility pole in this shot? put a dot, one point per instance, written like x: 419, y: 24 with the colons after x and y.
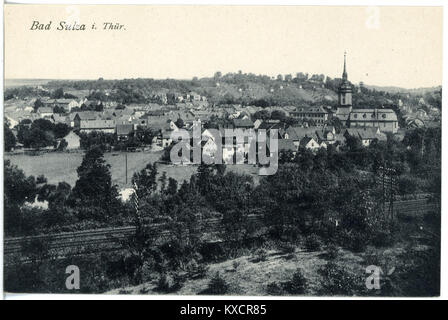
x: 388, y: 185
x: 126, y: 164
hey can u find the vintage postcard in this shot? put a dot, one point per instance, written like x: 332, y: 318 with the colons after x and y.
x: 222, y: 150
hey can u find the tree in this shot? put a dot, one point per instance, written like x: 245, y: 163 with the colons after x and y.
x: 58, y: 93
x: 179, y: 123
x: 62, y: 145
x: 278, y: 115
x: 58, y: 109
x: 146, y: 180
x: 10, y: 138
x: 18, y: 189
x: 38, y: 104
x: 94, y: 186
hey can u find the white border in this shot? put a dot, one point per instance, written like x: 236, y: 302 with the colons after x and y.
x: 444, y: 236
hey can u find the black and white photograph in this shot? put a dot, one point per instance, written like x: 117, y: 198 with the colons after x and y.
x: 222, y: 151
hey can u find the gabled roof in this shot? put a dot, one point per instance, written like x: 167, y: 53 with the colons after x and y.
x: 286, y: 145
x: 124, y: 129
x: 304, y: 142
x: 243, y: 123
x: 87, y: 115
x: 45, y: 110
x: 366, y: 133
x: 373, y: 115
x: 316, y: 109
x: 97, y: 124
x: 298, y: 133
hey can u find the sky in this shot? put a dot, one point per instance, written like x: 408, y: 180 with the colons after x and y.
x: 386, y: 46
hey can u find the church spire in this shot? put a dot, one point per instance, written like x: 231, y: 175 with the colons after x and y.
x: 344, y: 74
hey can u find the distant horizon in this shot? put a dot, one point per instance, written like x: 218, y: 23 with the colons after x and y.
x: 189, y: 79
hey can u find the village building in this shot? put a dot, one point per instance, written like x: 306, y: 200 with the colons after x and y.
x: 384, y: 119
x: 124, y: 131
x: 310, y: 144
x: 106, y: 126
x: 45, y: 112
x: 73, y: 141
x: 366, y: 134
x: 318, y: 114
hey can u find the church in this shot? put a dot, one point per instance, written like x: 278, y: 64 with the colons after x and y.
x: 384, y: 119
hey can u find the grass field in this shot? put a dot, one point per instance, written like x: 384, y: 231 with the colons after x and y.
x: 58, y: 167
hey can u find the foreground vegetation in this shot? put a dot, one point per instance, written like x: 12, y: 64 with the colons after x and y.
x: 328, y: 202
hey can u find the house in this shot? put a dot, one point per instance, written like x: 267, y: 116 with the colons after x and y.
x: 318, y: 114
x: 106, y: 126
x: 257, y: 123
x: 73, y: 141
x: 366, y: 134
x: 296, y: 134
x: 326, y: 135
x: 415, y: 123
x: 61, y: 118
x: 67, y: 104
x: 45, y: 112
x: 124, y: 130
x: 76, y: 118
x: 286, y: 145
x: 309, y: 143
x: 243, y: 123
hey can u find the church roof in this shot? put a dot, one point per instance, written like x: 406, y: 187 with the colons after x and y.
x: 373, y: 115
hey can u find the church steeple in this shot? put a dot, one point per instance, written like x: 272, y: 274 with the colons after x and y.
x: 344, y: 74
x: 345, y: 89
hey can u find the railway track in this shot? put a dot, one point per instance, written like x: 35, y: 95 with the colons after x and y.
x: 102, y: 237
x: 113, y: 236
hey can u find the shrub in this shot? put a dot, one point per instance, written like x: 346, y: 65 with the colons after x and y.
x: 165, y: 283
x: 260, y: 255
x: 217, y: 285
x: 274, y: 289
x: 297, y: 284
x: 332, y: 251
x: 353, y: 240
x: 312, y: 243
x: 336, y: 280
x: 287, y: 248
x: 407, y: 185
x: 383, y: 238
x: 196, y: 270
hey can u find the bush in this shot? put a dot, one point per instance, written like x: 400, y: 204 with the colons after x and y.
x: 353, y: 240
x: 312, y: 243
x: 196, y: 270
x: 165, y: 283
x: 383, y: 238
x: 274, y: 289
x: 260, y: 255
x: 332, y: 251
x: 287, y: 248
x: 217, y: 286
x: 297, y: 284
x: 336, y: 280
x: 407, y: 185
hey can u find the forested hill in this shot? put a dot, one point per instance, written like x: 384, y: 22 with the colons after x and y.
x: 240, y: 88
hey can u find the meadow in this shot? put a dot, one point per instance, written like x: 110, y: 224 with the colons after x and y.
x: 58, y: 166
